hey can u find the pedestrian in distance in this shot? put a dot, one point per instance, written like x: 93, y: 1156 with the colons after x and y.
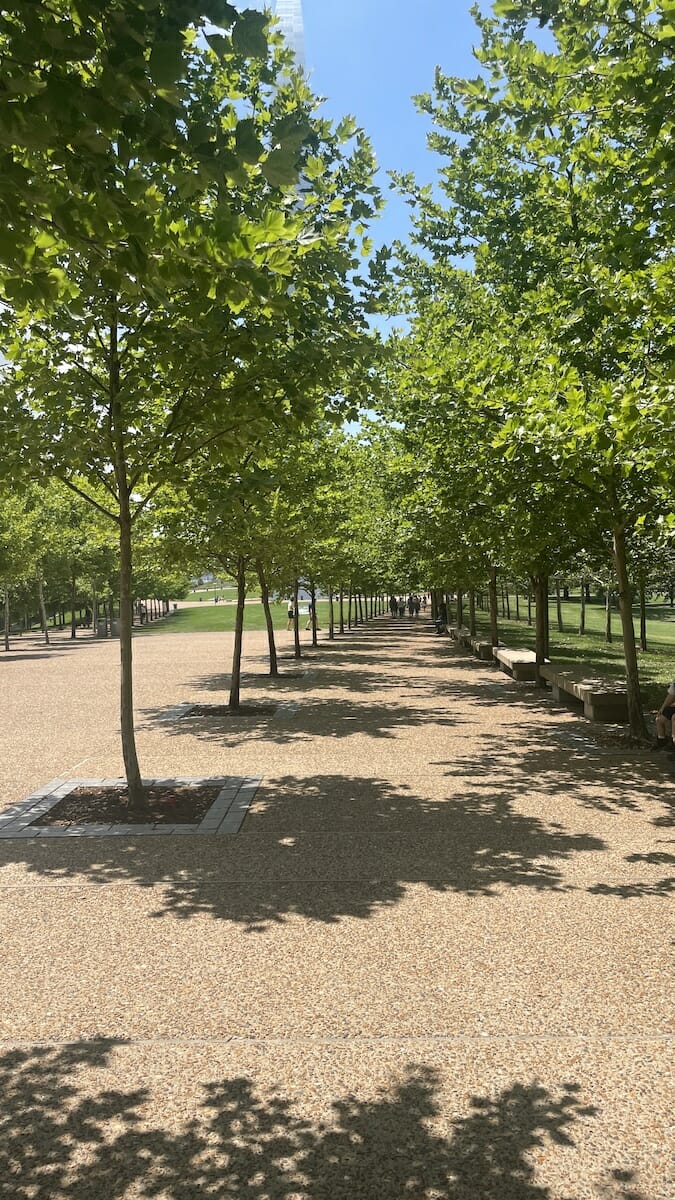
x: 401, y: 606
x: 291, y: 616
x: 310, y: 610
x: 664, y: 719
x: 393, y: 605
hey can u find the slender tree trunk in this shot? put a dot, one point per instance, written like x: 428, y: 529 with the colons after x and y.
x: 582, y: 608
x: 508, y: 603
x: 529, y: 606
x: 541, y: 628
x: 635, y: 714
x: 132, y: 769
x: 359, y: 598
x: 342, y: 611
x: 265, y: 600
x: 349, y: 609
x: 94, y: 613
x: 643, y: 616
x: 133, y: 772
x: 501, y: 590
x: 7, y: 620
x: 494, y: 614
x: 472, y: 613
x: 558, y: 606
x: 235, y: 682
x: 296, y: 621
x: 73, y: 594
x: 312, y: 592
x: 43, y: 610
x: 331, y: 615
x: 517, y: 604
x: 460, y: 608
x: 608, y: 615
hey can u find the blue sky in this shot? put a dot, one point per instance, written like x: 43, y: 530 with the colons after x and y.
x: 369, y: 57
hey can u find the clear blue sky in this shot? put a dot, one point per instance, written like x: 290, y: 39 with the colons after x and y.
x: 369, y: 57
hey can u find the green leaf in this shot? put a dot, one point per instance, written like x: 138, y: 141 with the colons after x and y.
x: 249, y: 36
x: 166, y: 63
x: 249, y: 147
x: 280, y: 169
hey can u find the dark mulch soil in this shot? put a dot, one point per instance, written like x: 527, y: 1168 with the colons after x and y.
x: 223, y: 710
x: 165, y: 805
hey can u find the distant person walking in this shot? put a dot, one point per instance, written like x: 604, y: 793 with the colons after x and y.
x: 411, y: 605
x: 664, y: 718
x: 291, y: 616
x: 401, y: 606
x: 310, y: 611
x: 393, y: 605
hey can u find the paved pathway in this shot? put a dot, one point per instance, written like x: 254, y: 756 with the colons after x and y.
x: 435, y: 963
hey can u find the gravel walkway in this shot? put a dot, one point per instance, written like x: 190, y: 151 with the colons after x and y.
x: 435, y: 964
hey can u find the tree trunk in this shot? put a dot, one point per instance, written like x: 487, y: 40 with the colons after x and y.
x: 635, y: 714
x: 643, y: 616
x: 133, y: 772
x: 472, y: 613
x: 342, y: 611
x: 265, y: 600
x: 235, y: 682
x: 460, y: 608
x: 541, y: 629
x: 529, y: 607
x: 7, y: 620
x: 312, y: 592
x: 132, y: 769
x: 73, y: 593
x: 349, y: 609
x: 43, y: 610
x: 359, y: 598
x: 494, y: 614
x: 508, y: 603
x: 608, y: 615
x: 331, y: 616
x: 582, y: 608
x: 296, y: 622
x: 558, y: 606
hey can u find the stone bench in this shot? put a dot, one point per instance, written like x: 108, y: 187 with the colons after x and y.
x: 481, y: 649
x: 602, y: 699
x: 520, y: 663
x: 460, y: 634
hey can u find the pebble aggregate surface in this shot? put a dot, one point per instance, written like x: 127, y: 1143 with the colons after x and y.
x: 435, y: 962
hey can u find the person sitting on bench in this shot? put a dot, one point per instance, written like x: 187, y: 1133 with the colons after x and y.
x: 664, y: 718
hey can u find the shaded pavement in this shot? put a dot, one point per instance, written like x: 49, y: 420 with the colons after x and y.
x: 436, y: 962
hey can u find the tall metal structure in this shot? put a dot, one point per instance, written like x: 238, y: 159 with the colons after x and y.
x: 289, y: 13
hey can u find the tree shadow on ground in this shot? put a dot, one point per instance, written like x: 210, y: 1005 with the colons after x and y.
x: 571, y: 764
x: 290, y: 864
x: 314, y: 717
x: 66, y: 1136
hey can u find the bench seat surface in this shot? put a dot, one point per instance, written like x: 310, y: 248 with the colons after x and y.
x: 583, y: 682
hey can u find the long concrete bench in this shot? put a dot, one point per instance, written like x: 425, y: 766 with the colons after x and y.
x: 520, y: 663
x: 602, y: 699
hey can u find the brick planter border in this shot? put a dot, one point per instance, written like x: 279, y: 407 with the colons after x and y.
x: 225, y: 816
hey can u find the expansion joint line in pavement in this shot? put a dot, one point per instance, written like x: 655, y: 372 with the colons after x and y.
x: 350, y: 1039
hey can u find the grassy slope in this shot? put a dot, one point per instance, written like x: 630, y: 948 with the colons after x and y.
x: 219, y: 618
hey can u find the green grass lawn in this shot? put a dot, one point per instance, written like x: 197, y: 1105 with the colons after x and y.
x: 219, y: 618
x: 657, y: 663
